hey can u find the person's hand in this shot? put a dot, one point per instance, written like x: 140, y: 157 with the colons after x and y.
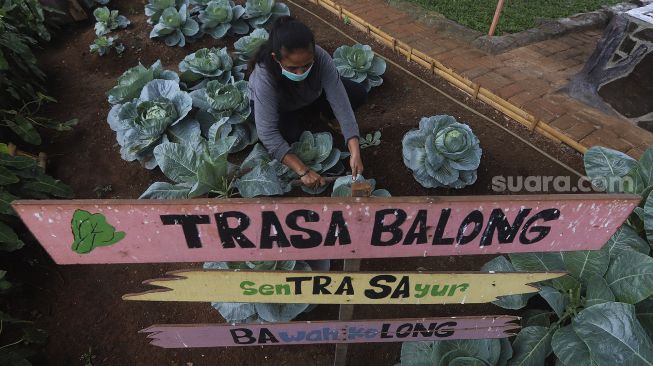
x: 356, y: 165
x: 313, y: 180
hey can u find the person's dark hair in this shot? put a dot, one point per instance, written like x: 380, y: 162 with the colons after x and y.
x: 288, y: 33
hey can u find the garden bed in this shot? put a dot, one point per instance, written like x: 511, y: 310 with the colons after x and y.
x: 81, y: 306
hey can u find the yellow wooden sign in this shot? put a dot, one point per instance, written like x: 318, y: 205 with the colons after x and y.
x: 340, y: 287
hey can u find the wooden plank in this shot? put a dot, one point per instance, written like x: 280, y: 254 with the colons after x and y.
x: 362, y: 331
x: 151, y: 231
x: 284, y: 287
x: 345, y: 312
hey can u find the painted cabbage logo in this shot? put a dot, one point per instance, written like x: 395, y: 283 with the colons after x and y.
x: 91, y: 231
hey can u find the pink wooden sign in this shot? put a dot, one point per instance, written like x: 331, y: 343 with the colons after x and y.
x: 364, y: 331
x: 152, y: 231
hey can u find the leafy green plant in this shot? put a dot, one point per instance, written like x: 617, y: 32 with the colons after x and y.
x: 471, y: 352
x: 261, y: 13
x: 154, y: 8
x: 222, y: 17
x: 267, y: 176
x: 442, y: 152
x: 20, y: 76
x: 131, y: 82
x: 244, y: 133
x: 262, y: 313
x: 142, y: 123
x: 615, y: 172
x: 29, y: 17
x: 102, y: 45
x: 360, y: 64
x: 260, y: 175
x: 22, y: 121
x: 590, y: 307
x: 371, y: 140
x: 208, y: 64
x: 607, y: 298
x: 196, y: 169
x: 174, y: 26
x: 29, y: 338
x: 342, y: 187
x: 21, y: 177
x: 108, y: 20
x: 217, y: 101
x: 247, y: 46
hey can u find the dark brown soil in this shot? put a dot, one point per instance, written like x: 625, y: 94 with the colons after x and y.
x: 632, y: 95
x: 81, y: 306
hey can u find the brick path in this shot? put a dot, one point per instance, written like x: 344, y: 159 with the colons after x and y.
x: 527, y: 77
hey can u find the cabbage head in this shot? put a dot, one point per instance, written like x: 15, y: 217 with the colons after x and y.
x: 219, y: 101
x: 247, y: 46
x: 132, y: 81
x: 342, y: 187
x: 209, y: 64
x: 154, y: 8
x: 359, y: 63
x: 442, y: 153
x: 244, y: 134
x: 261, y: 13
x: 174, y: 26
x: 141, y: 124
x: 108, y: 20
x: 222, y: 17
x: 261, y: 312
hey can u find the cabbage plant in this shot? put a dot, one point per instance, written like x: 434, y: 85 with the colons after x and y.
x: 108, y: 20
x: 102, y: 45
x: 442, y: 153
x: 342, y: 187
x: 315, y: 150
x: 261, y: 13
x: 141, y: 124
x: 470, y: 352
x: 261, y: 312
x: 222, y: 17
x: 217, y: 101
x: 359, y: 63
x: 174, y: 26
x: 209, y: 64
x: 154, y: 8
x: 244, y: 134
x: 132, y: 81
x: 247, y: 46
x: 196, y: 166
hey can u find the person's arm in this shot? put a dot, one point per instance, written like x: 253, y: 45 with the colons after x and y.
x: 339, y: 101
x: 266, y: 117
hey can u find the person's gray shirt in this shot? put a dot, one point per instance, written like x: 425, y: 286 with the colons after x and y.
x: 269, y: 100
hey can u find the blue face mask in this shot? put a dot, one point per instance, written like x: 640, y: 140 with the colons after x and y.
x: 295, y: 77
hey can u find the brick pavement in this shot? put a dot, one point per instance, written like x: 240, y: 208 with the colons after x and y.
x: 528, y: 77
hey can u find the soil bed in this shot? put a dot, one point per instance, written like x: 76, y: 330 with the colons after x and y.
x: 81, y: 306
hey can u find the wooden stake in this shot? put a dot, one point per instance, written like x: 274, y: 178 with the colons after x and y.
x: 43, y: 158
x: 495, y: 20
x: 361, y: 189
x: 76, y: 11
x: 346, y: 312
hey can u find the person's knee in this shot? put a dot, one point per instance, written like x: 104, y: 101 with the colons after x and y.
x: 357, y: 93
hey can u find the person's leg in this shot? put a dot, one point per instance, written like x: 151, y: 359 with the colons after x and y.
x: 291, y: 125
x: 355, y: 91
